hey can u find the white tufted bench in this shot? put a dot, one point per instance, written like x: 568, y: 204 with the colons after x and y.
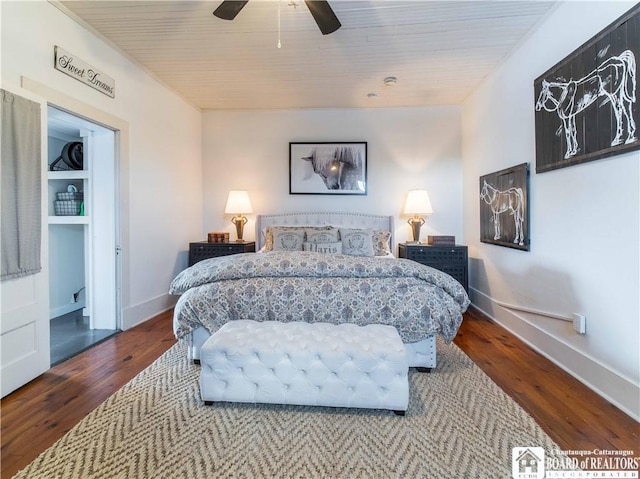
x: 314, y: 364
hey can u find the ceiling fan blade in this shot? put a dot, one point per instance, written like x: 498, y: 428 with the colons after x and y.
x: 228, y: 9
x: 323, y: 15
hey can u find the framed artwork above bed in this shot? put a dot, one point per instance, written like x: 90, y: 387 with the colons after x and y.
x: 337, y: 168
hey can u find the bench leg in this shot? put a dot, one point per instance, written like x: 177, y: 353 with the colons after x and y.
x: 423, y: 370
x: 399, y: 413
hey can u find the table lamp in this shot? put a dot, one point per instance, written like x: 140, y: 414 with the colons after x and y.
x: 417, y: 204
x: 238, y: 204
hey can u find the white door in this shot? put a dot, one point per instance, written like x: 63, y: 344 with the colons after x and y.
x: 25, y: 330
x: 24, y: 303
x: 101, y: 238
x: 24, y: 320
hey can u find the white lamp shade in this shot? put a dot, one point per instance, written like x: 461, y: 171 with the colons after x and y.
x: 238, y: 202
x: 418, y: 203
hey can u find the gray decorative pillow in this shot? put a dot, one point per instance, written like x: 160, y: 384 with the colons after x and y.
x: 381, y: 245
x: 328, y: 235
x: 357, y: 242
x: 289, y: 239
x: 334, y: 247
x: 268, y: 234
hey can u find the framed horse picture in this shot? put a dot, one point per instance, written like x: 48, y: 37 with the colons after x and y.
x: 587, y: 105
x: 504, y: 207
x: 328, y: 168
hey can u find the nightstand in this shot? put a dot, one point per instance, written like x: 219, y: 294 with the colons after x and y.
x: 453, y: 260
x: 205, y: 250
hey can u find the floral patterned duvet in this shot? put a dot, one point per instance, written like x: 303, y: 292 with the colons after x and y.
x: 313, y: 287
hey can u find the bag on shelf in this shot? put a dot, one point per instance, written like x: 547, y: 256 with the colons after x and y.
x: 72, y: 157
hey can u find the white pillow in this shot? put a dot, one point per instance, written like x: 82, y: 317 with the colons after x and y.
x: 290, y: 239
x: 334, y: 247
x: 357, y: 242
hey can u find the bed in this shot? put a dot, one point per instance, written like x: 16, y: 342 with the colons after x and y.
x: 311, y: 286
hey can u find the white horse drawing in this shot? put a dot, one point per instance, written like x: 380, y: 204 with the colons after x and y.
x: 511, y: 200
x: 614, y: 79
x: 341, y: 168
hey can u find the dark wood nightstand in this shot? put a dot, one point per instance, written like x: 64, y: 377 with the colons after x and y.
x: 205, y: 250
x: 452, y: 260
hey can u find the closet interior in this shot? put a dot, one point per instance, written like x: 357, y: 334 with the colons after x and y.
x: 81, y: 234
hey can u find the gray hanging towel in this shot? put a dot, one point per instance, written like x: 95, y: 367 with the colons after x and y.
x: 21, y: 171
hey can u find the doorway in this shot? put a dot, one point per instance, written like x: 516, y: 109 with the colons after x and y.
x: 82, y: 232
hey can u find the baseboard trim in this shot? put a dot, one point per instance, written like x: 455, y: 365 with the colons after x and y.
x: 612, y: 386
x: 134, y: 315
x: 65, y: 309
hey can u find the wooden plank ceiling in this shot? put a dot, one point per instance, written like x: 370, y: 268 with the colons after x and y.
x: 438, y: 50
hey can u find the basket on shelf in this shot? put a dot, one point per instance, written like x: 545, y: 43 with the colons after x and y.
x: 67, y: 207
x: 70, y: 195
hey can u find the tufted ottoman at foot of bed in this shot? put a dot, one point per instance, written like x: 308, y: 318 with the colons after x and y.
x: 308, y: 364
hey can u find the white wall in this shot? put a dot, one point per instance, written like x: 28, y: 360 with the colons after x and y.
x: 408, y: 148
x: 66, y: 268
x: 584, y: 225
x: 161, y: 206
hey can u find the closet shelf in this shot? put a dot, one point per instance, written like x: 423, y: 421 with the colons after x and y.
x: 68, y: 220
x: 69, y: 175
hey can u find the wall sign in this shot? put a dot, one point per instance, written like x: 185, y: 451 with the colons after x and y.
x: 81, y: 71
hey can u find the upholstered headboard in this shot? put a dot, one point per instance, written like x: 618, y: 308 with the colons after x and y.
x: 346, y: 220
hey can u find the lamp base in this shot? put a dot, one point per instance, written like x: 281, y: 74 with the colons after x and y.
x: 239, y: 221
x: 416, y: 223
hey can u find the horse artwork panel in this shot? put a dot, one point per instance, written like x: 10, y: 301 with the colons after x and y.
x: 614, y: 81
x: 504, y: 207
x: 511, y: 202
x: 331, y: 168
x: 587, y: 105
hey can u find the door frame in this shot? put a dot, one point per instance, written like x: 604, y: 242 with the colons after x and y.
x: 101, y: 233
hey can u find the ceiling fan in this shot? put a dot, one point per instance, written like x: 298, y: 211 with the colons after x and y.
x: 320, y: 9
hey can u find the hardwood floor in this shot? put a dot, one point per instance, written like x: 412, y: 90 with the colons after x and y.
x: 39, y: 413
x: 36, y: 415
x: 573, y: 415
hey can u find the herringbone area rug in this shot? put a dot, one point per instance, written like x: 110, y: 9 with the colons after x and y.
x: 459, y: 425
